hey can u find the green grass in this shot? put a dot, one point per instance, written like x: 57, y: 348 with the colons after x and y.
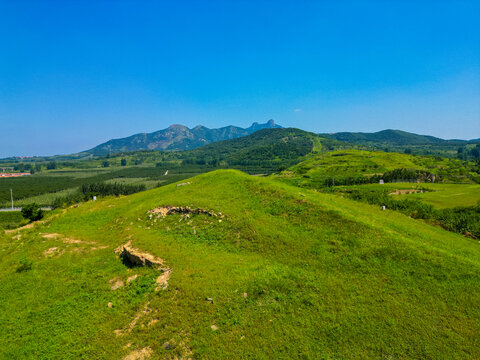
x: 313, y: 171
x: 324, y: 277
x: 11, y: 219
x: 449, y: 195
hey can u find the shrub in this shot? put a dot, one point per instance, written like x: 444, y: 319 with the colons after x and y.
x: 24, y: 265
x: 32, y: 212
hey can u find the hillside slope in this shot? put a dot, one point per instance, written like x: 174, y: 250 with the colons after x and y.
x: 176, y: 137
x: 346, y: 166
x: 268, y: 271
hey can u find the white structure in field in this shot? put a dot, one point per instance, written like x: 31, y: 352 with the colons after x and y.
x: 381, y: 182
x: 166, y: 173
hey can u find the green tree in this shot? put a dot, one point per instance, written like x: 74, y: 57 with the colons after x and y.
x: 51, y: 165
x: 475, y: 152
x: 105, y: 164
x: 123, y: 162
x: 32, y: 212
x: 19, y: 167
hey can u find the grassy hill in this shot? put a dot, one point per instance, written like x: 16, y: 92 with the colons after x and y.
x: 262, y: 152
x: 345, y: 164
x: 281, y: 273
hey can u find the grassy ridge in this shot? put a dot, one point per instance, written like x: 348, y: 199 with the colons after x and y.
x: 292, y: 274
x: 343, y: 164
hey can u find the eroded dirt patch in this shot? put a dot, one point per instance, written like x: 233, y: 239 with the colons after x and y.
x: 143, y: 318
x: 162, y: 280
x: 53, y: 251
x: 134, y: 257
x: 79, y: 246
x: 25, y: 227
x: 141, y: 354
x: 162, y: 211
x: 52, y: 236
x: 405, y: 191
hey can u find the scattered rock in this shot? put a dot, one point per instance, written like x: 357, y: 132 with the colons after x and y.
x: 110, y: 304
x: 162, y: 280
x: 116, y: 284
x: 214, y: 328
x: 51, y: 251
x: 245, y: 295
x: 209, y: 299
x: 167, y: 346
x: 131, y: 278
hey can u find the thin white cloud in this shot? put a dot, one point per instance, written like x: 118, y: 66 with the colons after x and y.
x: 297, y: 110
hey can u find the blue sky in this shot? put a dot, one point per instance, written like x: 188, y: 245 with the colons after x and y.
x: 74, y: 74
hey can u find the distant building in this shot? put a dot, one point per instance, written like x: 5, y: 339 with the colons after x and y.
x: 10, y: 175
x: 381, y: 182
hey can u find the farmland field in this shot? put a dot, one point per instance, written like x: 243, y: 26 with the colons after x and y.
x: 45, y: 187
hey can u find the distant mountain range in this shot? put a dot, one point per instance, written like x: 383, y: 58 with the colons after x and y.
x: 177, y: 137
x: 393, y: 137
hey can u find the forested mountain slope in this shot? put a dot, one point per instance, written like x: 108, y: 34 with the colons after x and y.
x: 176, y: 137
